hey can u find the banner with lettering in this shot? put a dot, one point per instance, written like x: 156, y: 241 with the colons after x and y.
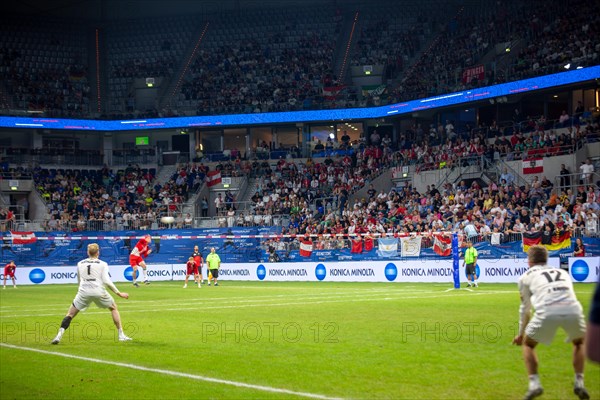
x: 476, y: 72
x: 238, y: 245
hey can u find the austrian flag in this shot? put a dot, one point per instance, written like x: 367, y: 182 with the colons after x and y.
x: 442, y: 245
x: 533, y: 166
x: 306, y: 247
x: 23, y: 237
x: 213, y: 178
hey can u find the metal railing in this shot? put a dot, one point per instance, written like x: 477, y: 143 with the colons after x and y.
x: 573, y: 181
x: 502, y: 165
x: 38, y: 156
x: 242, y: 219
x: 126, y: 157
x: 180, y: 222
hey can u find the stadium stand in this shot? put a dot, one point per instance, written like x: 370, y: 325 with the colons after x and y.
x: 148, y: 48
x: 267, y: 60
x: 44, y: 67
x: 271, y: 60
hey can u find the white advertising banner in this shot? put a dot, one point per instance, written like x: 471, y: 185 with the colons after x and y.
x: 238, y: 272
x: 156, y: 272
x: 584, y: 269
x: 504, y: 270
x: 438, y: 271
x: 45, y: 275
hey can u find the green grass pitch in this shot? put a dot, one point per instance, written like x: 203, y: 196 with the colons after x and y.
x: 256, y: 340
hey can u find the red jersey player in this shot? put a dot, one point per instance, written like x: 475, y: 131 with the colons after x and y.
x: 191, y: 268
x: 136, y: 258
x: 9, y: 272
x: 199, y: 261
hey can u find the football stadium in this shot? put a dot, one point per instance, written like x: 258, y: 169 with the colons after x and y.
x: 321, y: 199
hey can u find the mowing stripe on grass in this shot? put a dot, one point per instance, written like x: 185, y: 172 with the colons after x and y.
x: 175, y: 373
x: 132, y: 305
x: 380, y: 297
x: 11, y: 308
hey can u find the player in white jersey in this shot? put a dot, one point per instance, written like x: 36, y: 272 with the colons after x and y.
x: 550, y: 292
x: 92, y: 274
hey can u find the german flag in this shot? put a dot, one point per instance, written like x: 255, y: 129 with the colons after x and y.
x: 561, y: 239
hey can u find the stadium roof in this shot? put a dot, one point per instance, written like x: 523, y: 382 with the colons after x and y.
x: 130, y: 9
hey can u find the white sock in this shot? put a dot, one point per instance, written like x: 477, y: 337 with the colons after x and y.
x: 579, y: 380
x: 145, y: 275
x: 60, y: 333
x: 534, y: 381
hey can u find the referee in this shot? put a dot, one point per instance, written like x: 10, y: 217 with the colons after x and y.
x: 213, y: 262
x: 470, y: 262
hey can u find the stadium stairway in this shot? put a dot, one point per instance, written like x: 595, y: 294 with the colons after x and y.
x: 250, y: 190
x: 165, y: 173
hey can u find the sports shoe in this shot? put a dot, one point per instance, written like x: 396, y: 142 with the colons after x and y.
x: 533, y: 393
x: 146, y: 282
x: 216, y: 284
x: 475, y: 285
x: 468, y: 285
x: 581, y: 392
x: 56, y: 340
x: 124, y: 338
x: 136, y: 284
x: 184, y: 286
x: 208, y: 283
x: 199, y: 286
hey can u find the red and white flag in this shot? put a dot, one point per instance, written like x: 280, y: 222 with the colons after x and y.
x: 533, y: 166
x: 357, y: 245
x: 330, y: 92
x: 442, y: 245
x: 213, y: 178
x: 23, y: 237
x: 306, y: 247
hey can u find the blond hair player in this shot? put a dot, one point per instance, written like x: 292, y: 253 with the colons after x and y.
x: 92, y: 274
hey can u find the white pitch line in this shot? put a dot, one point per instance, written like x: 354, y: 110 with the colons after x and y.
x: 175, y: 373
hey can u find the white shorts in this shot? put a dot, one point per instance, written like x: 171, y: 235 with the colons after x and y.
x: 543, y: 327
x: 83, y: 300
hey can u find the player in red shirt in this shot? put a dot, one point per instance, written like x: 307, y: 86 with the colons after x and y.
x: 191, y: 268
x: 199, y: 261
x: 9, y: 271
x: 136, y: 258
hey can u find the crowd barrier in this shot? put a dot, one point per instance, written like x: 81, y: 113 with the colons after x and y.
x: 241, y: 245
x: 247, y: 254
x: 584, y: 269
